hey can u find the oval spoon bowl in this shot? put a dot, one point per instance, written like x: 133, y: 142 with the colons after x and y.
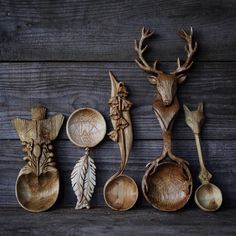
x: 208, y: 197
x: 169, y: 187
x: 121, y: 193
x: 35, y: 193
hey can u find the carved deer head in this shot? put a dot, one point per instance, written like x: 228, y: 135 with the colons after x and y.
x: 166, y: 84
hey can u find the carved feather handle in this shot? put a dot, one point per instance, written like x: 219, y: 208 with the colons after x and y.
x: 83, y: 180
x: 120, y: 117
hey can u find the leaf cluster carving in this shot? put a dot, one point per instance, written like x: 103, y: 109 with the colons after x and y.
x: 39, y: 158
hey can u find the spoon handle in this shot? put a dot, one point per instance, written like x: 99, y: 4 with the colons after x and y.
x: 194, y: 119
x: 120, y: 117
x: 204, y: 174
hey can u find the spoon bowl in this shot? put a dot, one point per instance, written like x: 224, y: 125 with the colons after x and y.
x: 208, y: 197
x: 86, y: 127
x: 121, y: 193
x: 37, y: 193
x: 169, y: 187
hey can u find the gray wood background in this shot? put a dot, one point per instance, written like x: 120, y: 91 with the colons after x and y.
x: 58, y: 54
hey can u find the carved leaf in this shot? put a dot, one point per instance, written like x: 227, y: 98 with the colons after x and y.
x: 83, y: 180
x: 113, y: 135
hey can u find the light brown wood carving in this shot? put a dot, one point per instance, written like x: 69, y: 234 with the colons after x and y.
x: 166, y: 185
x: 120, y: 191
x: 37, y: 184
x: 207, y: 196
x: 85, y: 128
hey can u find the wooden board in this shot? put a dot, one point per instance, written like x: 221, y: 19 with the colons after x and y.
x: 105, y: 30
x: 220, y: 159
x: 63, y: 87
x: 101, y: 222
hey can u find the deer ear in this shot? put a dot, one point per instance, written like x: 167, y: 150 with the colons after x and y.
x: 181, y: 79
x: 186, y: 110
x: 152, y: 79
x: 200, y: 107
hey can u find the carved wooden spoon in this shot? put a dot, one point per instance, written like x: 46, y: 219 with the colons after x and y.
x: 207, y: 196
x: 120, y: 191
x: 37, y: 185
x: 85, y: 128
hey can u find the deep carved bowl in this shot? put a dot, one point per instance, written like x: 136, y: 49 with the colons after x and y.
x: 169, y: 187
x: 121, y: 193
x: 37, y: 193
x: 208, y: 197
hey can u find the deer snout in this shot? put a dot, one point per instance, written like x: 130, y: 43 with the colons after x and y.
x: 166, y: 102
x: 166, y: 97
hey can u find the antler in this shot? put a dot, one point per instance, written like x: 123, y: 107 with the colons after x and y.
x: 189, y: 52
x: 138, y: 46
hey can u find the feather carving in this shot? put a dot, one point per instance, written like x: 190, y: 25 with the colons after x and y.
x: 83, y: 180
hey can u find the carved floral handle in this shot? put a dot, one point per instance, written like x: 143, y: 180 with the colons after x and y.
x: 36, y: 136
x: 121, y: 121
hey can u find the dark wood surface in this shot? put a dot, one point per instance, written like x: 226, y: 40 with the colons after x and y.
x: 105, y: 30
x: 145, y: 221
x: 63, y: 87
x: 58, y: 54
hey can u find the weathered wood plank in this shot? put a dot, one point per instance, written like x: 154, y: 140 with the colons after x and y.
x: 220, y: 160
x: 107, y: 222
x: 105, y: 30
x: 63, y: 87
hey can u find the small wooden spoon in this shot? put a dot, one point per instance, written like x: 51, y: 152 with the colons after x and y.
x: 37, y: 185
x: 85, y: 128
x: 207, y: 196
x: 120, y: 191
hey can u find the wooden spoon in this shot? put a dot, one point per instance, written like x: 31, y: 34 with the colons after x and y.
x: 85, y: 128
x: 120, y: 191
x: 207, y: 196
x: 37, y: 185
x: 167, y: 185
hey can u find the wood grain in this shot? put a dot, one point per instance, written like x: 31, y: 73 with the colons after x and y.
x: 105, y: 30
x: 219, y: 156
x: 101, y: 222
x: 64, y: 87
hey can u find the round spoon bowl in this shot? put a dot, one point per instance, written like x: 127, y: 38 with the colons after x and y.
x: 86, y: 127
x: 121, y: 193
x: 169, y: 187
x: 37, y: 193
x: 208, y: 197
